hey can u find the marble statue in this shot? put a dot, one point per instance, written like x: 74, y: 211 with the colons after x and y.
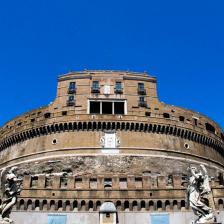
x: 10, y: 192
x: 198, y: 192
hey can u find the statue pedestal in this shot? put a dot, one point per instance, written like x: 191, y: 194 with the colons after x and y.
x: 6, y: 222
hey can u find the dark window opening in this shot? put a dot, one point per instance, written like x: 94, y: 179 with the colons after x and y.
x: 34, y: 181
x: 222, y: 136
x: 118, y: 107
x: 108, y: 183
x: 64, y: 113
x: 106, y: 107
x: 72, y: 87
x: 209, y: 127
x: 94, y: 107
x: 147, y: 114
x: 108, y: 215
x: 32, y: 120
x: 195, y: 121
x: 71, y: 101
x: 118, y: 87
x: 63, y: 182
x: 142, y: 102
x: 47, y: 115
x: 141, y: 89
x: 181, y: 118
x: 95, y: 87
x: 166, y: 115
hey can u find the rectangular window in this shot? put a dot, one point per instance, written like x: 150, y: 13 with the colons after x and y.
x: 34, y: 181
x: 123, y: 183
x: 63, y: 182
x: 94, y: 107
x: 141, y: 88
x: 78, y: 183
x: 71, y: 101
x: 138, y: 182
x: 95, y: 87
x: 142, y: 102
x: 93, y: 183
x: 106, y: 107
x: 72, y: 87
x: 118, y: 87
x: 118, y: 107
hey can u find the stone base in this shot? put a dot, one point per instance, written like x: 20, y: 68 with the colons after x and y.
x: 6, y: 222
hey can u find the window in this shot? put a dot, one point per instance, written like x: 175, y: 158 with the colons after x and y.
x: 181, y: 118
x: 141, y: 88
x: 166, y: 115
x: 209, y: 127
x: 118, y: 107
x: 94, y: 107
x: 195, y: 120
x: 123, y: 183
x: 118, y: 87
x: 108, y: 183
x: 147, y: 114
x: 34, y: 181
x: 142, y: 102
x: 72, y: 87
x: 78, y: 183
x: 64, y: 113
x: 71, y: 101
x: 47, y: 115
x: 106, y: 107
x: 93, y: 183
x: 95, y: 87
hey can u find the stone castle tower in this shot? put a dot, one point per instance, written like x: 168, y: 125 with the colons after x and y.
x: 107, y: 137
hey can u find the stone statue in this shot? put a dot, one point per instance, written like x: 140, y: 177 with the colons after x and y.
x: 198, y: 192
x: 11, y: 190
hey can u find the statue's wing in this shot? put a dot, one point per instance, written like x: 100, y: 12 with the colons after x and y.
x: 2, y: 174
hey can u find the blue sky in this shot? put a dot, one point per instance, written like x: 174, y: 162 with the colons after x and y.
x: 179, y: 42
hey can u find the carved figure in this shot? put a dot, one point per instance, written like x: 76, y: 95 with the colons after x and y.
x: 12, y: 189
x: 198, y: 192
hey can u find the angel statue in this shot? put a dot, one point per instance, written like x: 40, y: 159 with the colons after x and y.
x: 198, y: 192
x: 10, y: 192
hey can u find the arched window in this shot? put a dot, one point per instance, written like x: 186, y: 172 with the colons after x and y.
x: 21, y: 204
x: 118, y: 205
x: 142, y: 205
x: 220, y: 204
x: 175, y: 206
x: 135, y: 205
x: 126, y: 205
x: 67, y: 206
x: 98, y: 204
x: 91, y: 205
x: 182, y: 204
x: 167, y: 205
x: 44, y: 205
x: 75, y: 205
x: 159, y: 205
x: 52, y: 205
x: 151, y: 205
x: 60, y: 207
x: 37, y: 205
x: 83, y: 205
x: 29, y: 205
